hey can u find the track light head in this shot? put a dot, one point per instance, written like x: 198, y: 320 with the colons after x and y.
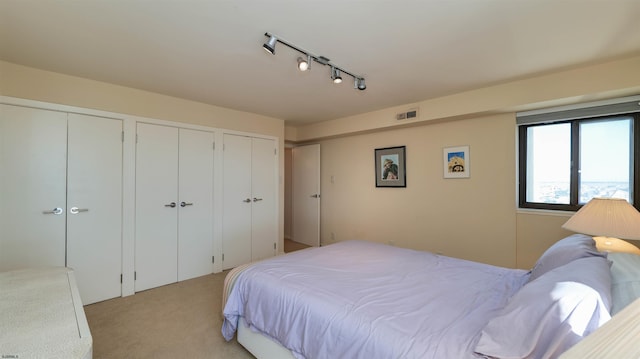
x: 335, y: 75
x: 270, y: 46
x: 304, y: 65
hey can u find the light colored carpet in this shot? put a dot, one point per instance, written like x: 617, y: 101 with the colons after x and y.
x: 290, y: 246
x: 180, y: 320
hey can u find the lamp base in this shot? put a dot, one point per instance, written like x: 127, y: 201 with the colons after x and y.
x: 611, y: 244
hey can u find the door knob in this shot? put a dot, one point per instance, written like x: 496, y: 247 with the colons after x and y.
x: 315, y: 196
x: 172, y: 205
x: 184, y: 204
x: 257, y: 199
x: 56, y: 210
x: 76, y: 210
x: 248, y: 200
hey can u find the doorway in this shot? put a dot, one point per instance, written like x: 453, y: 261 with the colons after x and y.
x: 302, y: 195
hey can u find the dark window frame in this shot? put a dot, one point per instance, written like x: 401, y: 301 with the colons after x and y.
x: 574, y: 204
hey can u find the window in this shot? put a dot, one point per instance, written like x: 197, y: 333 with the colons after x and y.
x: 568, y: 157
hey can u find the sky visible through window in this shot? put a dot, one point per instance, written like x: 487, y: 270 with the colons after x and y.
x: 604, y: 157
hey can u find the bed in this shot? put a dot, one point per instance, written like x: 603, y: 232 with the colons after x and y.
x: 358, y: 299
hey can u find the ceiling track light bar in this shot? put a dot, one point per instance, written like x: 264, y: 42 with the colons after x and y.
x: 270, y: 46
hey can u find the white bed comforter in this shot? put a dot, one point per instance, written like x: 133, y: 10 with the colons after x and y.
x: 359, y: 299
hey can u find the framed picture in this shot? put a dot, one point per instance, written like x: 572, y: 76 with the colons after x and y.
x: 391, y: 170
x: 456, y: 162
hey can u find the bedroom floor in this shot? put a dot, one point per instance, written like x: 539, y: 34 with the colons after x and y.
x: 290, y: 246
x: 180, y: 320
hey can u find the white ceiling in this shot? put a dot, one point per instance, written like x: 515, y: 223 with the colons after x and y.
x: 408, y: 51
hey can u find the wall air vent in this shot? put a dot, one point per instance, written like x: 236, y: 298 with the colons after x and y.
x: 409, y: 115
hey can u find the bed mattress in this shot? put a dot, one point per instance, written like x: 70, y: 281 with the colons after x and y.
x: 358, y: 299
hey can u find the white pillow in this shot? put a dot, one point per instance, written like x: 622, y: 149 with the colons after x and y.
x: 551, y: 313
x: 564, y: 251
x: 625, y: 279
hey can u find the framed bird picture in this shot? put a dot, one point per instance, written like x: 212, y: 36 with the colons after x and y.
x: 391, y: 170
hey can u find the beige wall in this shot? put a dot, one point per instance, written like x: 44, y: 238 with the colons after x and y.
x: 34, y: 84
x: 537, y: 230
x: 475, y: 218
x: 607, y: 80
x: 470, y: 218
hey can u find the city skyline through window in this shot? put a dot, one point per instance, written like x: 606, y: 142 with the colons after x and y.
x: 605, y: 157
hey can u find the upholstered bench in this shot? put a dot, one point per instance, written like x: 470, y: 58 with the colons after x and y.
x: 41, y: 315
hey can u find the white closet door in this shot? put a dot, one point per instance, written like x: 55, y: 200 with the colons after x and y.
x: 94, y: 210
x: 156, y: 206
x: 264, y: 214
x: 237, y: 201
x: 33, y: 160
x: 195, y: 212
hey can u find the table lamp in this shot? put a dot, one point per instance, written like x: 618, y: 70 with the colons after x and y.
x: 608, y: 220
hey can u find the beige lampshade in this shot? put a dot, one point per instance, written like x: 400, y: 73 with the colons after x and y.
x: 608, y: 217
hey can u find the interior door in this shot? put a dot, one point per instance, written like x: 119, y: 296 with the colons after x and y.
x: 195, y: 211
x: 156, y: 245
x: 33, y: 160
x: 94, y: 211
x: 306, y: 194
x: 264, y: 220
x: 237, y: 200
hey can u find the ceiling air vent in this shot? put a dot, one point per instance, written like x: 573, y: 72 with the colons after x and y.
x: 409, y: 115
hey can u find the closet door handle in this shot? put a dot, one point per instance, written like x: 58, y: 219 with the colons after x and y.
x: 172, y: 205
x: 257, y: 199
x: 248, y: 200
x: 76, y: 210
x: 56, y: 210
x: 184, y: 204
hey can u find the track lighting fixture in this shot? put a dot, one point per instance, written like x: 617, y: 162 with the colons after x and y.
x: 335, y: 75
x: 270, y: 46
x: 305, y: 64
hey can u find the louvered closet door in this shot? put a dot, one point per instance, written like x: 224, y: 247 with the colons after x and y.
x: 264, y: 216
x: 237, y: 201
x: 156, y: 258
x: 195, y: 211
x: 94, y: 205
x: 33, y: 160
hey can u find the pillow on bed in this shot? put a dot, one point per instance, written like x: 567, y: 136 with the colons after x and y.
x: 625, y: 279
x: 568, y: 249
x: 552, y: 313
